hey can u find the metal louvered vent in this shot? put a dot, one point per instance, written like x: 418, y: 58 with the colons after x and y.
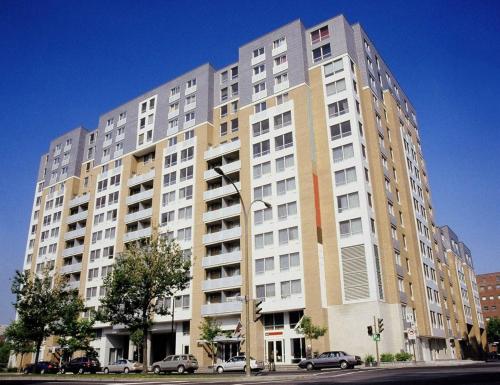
x: 354, y: 273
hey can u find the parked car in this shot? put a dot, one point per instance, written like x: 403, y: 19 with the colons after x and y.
x: 331, y: 360
x: 81, y: 365
x: 42, y: 367
x: 179, y: 363
x: 238, y: 363
x: 123, y: 366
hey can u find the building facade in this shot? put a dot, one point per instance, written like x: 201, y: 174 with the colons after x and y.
x: 311, y: 121
x: 489, y: 290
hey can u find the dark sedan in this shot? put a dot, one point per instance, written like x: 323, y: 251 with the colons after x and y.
x: 82, y: 365
x: 42, y: 367
x: 335, y: 359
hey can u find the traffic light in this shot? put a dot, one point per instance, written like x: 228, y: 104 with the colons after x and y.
x: 380, y: 325
x: 370, y: 330
x: 257, y: 310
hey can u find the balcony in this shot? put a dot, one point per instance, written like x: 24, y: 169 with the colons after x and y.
x: 280, y: 68
x: 72, y: 268
x: 227, y: 168
x: 229, y: 307
x: 260, y: 76
x: 222, y: 149
x: 75, y: 250
x: 138, y: 215
x: 222, y: 283
x: 79, y: 200
x: 73, y: 285
x: 282, y: 48
x: 143, y: 195
x: 78, y: 233
x: 221, y: 236
x: 190, y: 90
x: 221, y: 259
x: 224, y: 212
x: 133, y: 235
x: 77, y: 217
x: 221, y: 191
x: 138, y: 179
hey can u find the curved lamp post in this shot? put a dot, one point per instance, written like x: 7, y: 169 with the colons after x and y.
x: 246, y: 260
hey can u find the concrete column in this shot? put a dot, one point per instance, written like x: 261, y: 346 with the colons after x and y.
x: 150, y: 357
x: 131, y: 347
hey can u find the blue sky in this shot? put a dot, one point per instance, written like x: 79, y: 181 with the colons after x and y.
x: 66, y: 62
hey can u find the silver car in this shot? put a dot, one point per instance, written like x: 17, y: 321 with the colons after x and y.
x: 179, y: 363
x: 335, y: 359
x: 238, y: 363
x: 123, y: 366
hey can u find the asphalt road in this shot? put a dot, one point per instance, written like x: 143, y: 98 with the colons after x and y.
x: 486, y: 373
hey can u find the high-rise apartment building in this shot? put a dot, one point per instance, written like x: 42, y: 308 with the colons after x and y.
x: 311, y: 121
x: 489, y: 290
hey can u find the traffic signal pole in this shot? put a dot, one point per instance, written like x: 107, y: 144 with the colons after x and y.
x: 375, y: 328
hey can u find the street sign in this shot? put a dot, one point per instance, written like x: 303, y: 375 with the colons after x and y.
x: 376, y: 337
x: 412, y: 334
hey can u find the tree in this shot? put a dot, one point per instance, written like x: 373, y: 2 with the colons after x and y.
x: 77, y: 335
x: 146, y: 272
x: 43, y: 304
x: 493, y: 330
x: 137, y: 337
x: 310, y: 331
x: 210, y: 329
x: 18, y: 339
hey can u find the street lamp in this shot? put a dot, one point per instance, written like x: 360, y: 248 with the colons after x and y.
x: 246, y: 260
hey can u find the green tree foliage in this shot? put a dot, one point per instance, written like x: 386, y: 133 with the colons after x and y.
x: 210, y: 329
x: 310, y: 331
x: 493, y: 330
x: 44, y: 305
x: 137, y: 337
x: 18, y: 339
x: 147, y: 271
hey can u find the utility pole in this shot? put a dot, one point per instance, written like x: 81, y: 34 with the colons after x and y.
x: 375, y: 328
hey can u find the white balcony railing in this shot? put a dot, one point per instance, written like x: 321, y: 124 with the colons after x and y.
x: 221, y: 259
x: 221, y: 236
x: 141, y: 178
x: 75, y: 233
x: 222, y: 283
x: 72, y: 268
x: 221, y: 308
x: 224, y: 212
x: 142, y: 233
x: 79, y: 200
x: 147, y: 194
x: 222, y: 149
x: 75, y: 250
x: 138, y: 215
x: 77, y: 217
x: 226, y: 168
x: 220, y: 191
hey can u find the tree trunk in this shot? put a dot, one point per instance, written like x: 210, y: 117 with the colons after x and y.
x: 145, y: 350
x: 37, y: 355
x: 20, y: 363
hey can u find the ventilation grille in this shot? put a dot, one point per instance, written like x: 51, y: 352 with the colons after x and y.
x: 354, y: 273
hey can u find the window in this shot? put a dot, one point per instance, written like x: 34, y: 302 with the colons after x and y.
x: 95, y: 254
x: 234, y: 125
x: 175, y: 91
x: 113, y: 198
x: 262, y: 240
x: 319, y: 34
x: 333, y: 68
x: 167, y: 217
x: 259, y: 51
x: 340, y: 130
x: 282, y: 120
x: 234, y: 73
x: 173, y: 123
x: 264, y: 264
x: 168, y: 198
x: 335, y: 87
x: 289, y: 288
x: 280, y: 60
x: 345, y: 176
x: 283, y: 141
x: 259, y: 87
x: 279, y: 42
x: 186, y: 192
x: 234, y: 89
x: 171, y: 160
x: 338, y: 108
x: 110, y: 233
x: 321, y: 53
x: 262, y: 191
x: 265, y: 291
x: 285, y: 185
x: 283, y: 98
x: 261, y: 148
x: 289, y: 261
x: 189, y: 117
x: 284, y: 163
x: 189, y: 134
x: 286, y: 210
x: 287, y: 235
x: 223, y: 111
x: 169, y: 179
x: 259, y: 69
x: 261, y: 169
x: 185, y: 213
x: 184, y: 234
x: 260, y: 128
x: 224, y: 94
x: 343, y: 152
x: 186, y: 174
x: 350, y: 227
x: 223, y: 129
x: 347, y: 201
x: 191, y: 83
x: 281, y: 78
x: 187, y: 154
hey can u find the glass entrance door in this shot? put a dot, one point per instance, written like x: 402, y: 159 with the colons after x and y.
x: 275, y: 351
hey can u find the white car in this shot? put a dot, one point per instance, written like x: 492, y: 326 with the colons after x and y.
x: 123, y: 366
x: 238, y: 364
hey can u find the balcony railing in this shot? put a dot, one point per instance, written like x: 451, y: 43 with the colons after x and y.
x: 137, y: 179
x: 221, y: 308
x: 143, y: 195
x: 78, y: 233
x: 227, y: 168
x: 223, y: 212
x: 223, y: 235
x: 75, y: 250
x: 221, y: 259
x: 220, y: 191
x: 79, y: 200
x: 72, y: 268
x: 133, y: 235
x: 138, y: 215
x: 77, y: 217
x: 222, y: 149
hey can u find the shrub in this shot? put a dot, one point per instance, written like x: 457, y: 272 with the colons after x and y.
x: 403, y: 356
x: 387, y: 357
x: 369, y: 358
